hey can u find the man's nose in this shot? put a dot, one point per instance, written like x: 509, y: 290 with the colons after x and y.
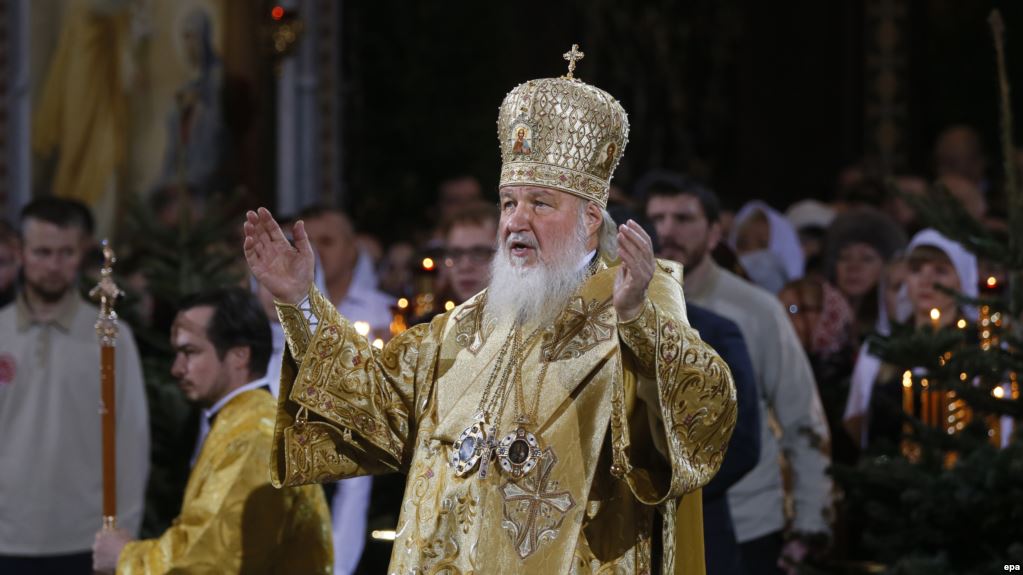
x: 178, y: 368
x: 518, y: 220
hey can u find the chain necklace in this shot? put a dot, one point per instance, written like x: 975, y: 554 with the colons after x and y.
x: 478, y: 441
x: 520, y: 451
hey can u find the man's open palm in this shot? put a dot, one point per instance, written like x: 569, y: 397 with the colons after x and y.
x: 286, y: 271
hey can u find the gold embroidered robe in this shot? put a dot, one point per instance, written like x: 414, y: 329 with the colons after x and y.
x: 232, y: 519
x: 631, y: 416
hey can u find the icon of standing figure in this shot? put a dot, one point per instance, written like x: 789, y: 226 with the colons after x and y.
x: 522, y: 146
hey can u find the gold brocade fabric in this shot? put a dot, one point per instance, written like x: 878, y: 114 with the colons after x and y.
x: 561, y: 133
x: 631, y: 417
x: 232, y: 519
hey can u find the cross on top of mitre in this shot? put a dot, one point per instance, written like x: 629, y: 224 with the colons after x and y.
x: 573, y: 56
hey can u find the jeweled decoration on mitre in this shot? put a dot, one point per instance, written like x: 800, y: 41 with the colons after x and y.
x: 562, y: 133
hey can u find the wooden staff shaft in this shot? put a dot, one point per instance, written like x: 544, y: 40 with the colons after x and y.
x: 107, y: 292
x: 109, y: 416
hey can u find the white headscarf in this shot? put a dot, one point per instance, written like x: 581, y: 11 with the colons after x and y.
x: 784, y: 241
x: 868, y: 365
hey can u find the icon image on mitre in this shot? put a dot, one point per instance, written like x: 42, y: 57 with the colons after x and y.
x: 609, y: 159
x: 522, y: 138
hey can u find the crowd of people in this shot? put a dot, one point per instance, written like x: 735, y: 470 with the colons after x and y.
x: 787, y: 298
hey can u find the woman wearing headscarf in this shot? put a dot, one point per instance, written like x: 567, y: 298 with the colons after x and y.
x: 932, y: 260
x: 860, y: 243
x: 766, y: 242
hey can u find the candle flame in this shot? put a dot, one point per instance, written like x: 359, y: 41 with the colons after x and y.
x: 428, y: 264
x: 992, y: 281
x: 402, y: 303
x: 935, y: 314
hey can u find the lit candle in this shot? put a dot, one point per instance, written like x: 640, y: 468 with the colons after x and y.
x: 925, y: 402
x: 907, y: 393
x: 935, y: 318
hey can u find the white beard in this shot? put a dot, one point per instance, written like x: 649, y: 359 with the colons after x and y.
x: 535, y: 296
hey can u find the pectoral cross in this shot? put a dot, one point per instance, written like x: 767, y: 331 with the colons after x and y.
x: 572, y: 56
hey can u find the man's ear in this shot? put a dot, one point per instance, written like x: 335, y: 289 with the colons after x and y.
x: 713, y: 236
x: 594, y: 217
x: 239, y: 356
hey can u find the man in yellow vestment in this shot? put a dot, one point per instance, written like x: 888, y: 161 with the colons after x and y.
x: 542, y: 422
x: 232, y: 519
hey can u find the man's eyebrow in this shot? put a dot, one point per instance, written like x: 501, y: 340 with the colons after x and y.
x: 539, y: 193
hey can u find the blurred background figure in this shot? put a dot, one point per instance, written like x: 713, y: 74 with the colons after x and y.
x: 454, y: 193
x: 811, y: 219
x: 9, y: 262
x: 826, y: 327
x: 759, y: 228
x: 958, y: 151
x: 51, y: 453
x: 348, y: 273
x: 470, y: 237
x: 231, y: 517
x: 859, y: 244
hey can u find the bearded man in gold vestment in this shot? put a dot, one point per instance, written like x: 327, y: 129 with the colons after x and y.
x: 543, y: 422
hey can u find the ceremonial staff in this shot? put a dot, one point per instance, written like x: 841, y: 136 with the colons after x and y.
x: 106, y: 293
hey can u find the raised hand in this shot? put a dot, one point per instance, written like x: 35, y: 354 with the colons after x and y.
x: 286, y: 271
x: 637, y: 252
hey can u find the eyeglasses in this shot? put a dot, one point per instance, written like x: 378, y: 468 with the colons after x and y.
x: 478, y: 255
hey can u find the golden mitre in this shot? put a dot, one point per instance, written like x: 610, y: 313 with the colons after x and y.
x: 562, y: 133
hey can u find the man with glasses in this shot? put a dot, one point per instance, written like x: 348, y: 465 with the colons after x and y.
x: 469, y: 238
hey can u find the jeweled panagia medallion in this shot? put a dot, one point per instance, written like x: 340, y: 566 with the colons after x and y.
x: 519, y: 452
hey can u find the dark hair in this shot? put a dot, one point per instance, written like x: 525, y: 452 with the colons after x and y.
x: 863, y: 226
x: 7, y: 233
x: 319, y: 210
x: 475, y: 214
x: 662, y: 183
x: 926, y: 254
x: 60, y: 212
x: 238, y: 321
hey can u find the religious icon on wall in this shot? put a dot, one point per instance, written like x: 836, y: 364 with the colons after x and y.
x: 522, y: 143
x: 144, y: 97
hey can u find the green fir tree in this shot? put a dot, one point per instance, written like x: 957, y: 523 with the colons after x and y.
x: 953, y: 502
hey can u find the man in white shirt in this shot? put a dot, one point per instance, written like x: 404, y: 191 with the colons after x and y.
x: 51, y: 481
x: 356, y: 297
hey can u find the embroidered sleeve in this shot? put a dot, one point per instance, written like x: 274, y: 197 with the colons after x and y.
x: 639, y: 335
x: 301, y: 320
x: 346, y: 408
x: 690, y: 400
